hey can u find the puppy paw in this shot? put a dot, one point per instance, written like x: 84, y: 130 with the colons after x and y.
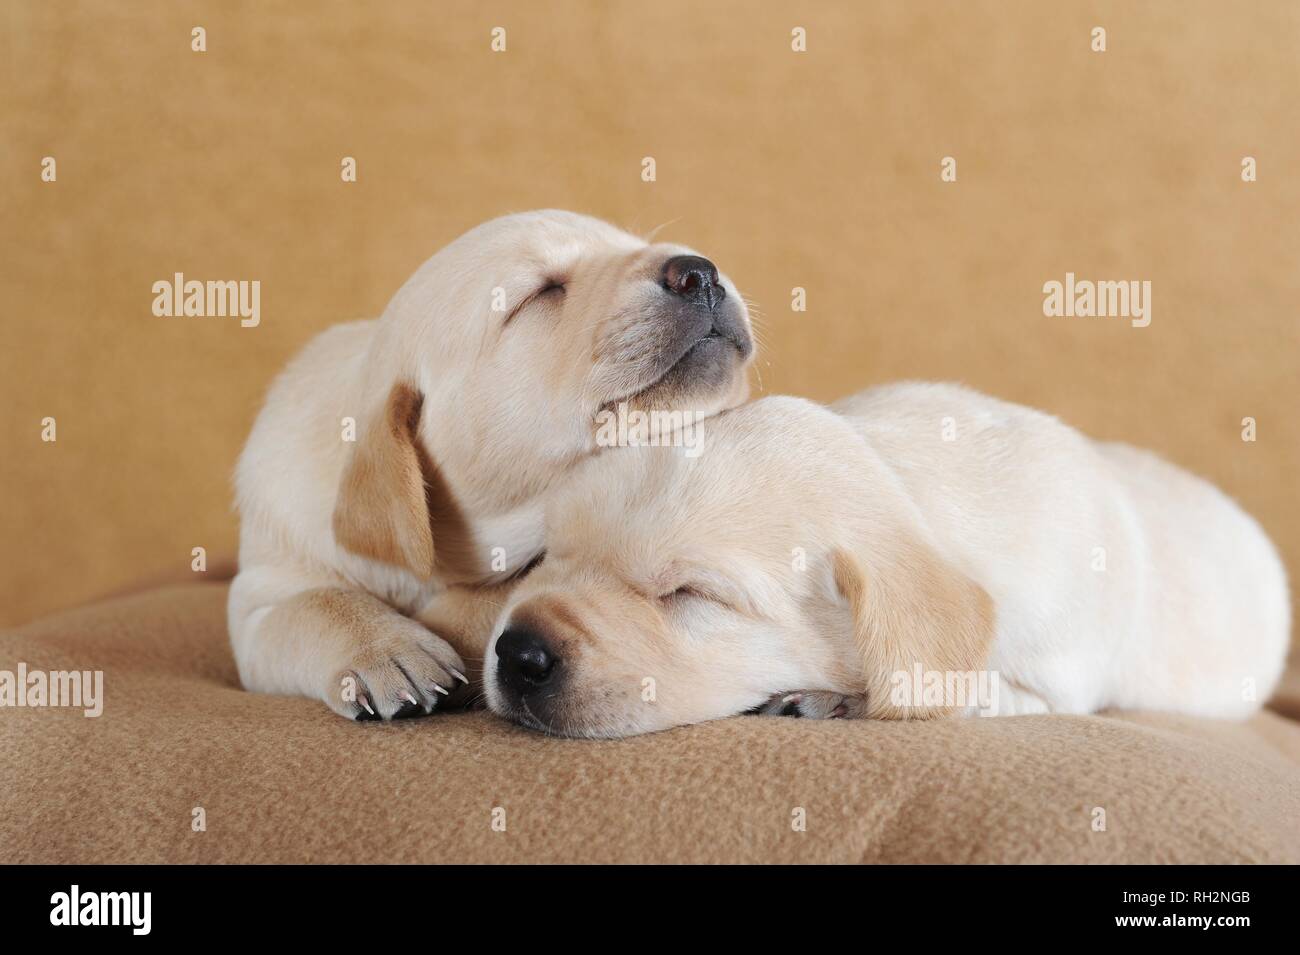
x: 403, y: 673
x: 815, y: 705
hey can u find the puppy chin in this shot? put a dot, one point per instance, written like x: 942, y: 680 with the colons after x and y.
x: 710, y: 377
x: 567, y: 720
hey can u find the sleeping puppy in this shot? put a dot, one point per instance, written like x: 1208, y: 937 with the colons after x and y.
x: 397, y: 458
x: 921, y: 550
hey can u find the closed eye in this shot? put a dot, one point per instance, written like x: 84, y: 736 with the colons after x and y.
x: 552, y: 288
x: 528, y: 568
x: 692, y: 592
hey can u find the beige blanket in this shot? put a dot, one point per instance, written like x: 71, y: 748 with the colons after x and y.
x: 283, y: 780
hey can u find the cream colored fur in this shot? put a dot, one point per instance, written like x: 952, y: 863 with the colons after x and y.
x: 475, y: 393
x: 809, y: 559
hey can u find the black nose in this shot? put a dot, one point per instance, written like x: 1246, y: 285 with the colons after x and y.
x: 695, y: 279
x: 525, y: 662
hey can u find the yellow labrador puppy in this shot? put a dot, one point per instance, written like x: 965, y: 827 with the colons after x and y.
x: 919, y: 551
x: 397, y: 458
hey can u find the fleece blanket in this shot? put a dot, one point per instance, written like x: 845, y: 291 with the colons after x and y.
x: 183, y: 766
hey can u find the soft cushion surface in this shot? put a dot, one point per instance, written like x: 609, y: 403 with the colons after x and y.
x: 284, y: 780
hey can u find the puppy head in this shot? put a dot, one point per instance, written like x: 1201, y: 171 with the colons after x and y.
x: 491, y: 367
x: 676, y: 590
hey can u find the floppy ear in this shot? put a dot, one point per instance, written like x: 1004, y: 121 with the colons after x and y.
x: 382, y: 510
x: 913, y: 608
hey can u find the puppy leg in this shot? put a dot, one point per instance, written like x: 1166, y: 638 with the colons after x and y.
x: 816, y: 705
x: 346, y: 648
x: 464, y: 616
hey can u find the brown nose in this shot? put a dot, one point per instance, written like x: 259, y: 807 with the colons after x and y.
x: 695, y: 279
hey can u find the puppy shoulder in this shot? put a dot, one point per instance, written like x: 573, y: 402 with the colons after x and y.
x: 332, y: 352
x: 777, y: 412
x: 292, y: 457
x: 912, y: 396
x: 928, y: 407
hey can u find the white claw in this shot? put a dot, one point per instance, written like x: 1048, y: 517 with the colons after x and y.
x: 366, y: 703
x: 458, y: 675
x: 411, y: 699
x: 440, y: 689
x: 792, y: 698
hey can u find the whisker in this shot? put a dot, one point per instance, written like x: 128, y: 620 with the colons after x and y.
x: 649, y: 238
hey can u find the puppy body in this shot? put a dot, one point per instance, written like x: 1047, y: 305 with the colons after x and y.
x: 400, y: 461
x: 915, y: 528
x: 1119, y: 580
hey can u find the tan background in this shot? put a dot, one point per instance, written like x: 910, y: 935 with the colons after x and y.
x: 818, y: 170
